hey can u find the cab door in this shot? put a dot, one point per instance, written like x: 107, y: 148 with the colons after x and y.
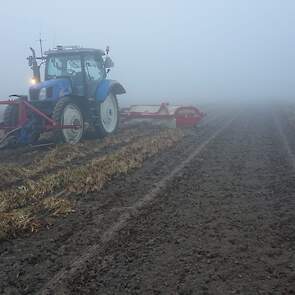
x: 94, y: 73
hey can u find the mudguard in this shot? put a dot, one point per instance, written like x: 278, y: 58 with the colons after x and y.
x: 56, y: 88
x: 106, y: 86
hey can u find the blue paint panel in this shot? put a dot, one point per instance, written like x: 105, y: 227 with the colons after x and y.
x: 103, y: 90
x: 60, y: 87
x: 106, y: 86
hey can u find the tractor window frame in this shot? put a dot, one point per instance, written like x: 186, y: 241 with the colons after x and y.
x: 50, y: 77
x: 99, y: 59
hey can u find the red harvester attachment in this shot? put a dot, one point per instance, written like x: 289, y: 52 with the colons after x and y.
x: 169, y: 115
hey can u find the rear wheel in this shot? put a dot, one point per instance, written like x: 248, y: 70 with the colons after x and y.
x: 108, y: 116
x: 68, y: 112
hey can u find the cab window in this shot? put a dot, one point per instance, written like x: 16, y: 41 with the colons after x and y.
x: 94, y: 69
x: 64, y: 65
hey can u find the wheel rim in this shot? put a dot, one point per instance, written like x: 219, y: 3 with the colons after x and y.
x: 72, y: 116
x: 109, y: 114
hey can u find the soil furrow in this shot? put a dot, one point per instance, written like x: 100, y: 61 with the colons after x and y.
x: 225, y: 226
x: 46, y: 252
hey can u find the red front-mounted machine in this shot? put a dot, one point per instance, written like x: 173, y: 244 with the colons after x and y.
x: 16, y: 128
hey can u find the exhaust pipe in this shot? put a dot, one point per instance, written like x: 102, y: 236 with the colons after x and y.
x: 33, y: 64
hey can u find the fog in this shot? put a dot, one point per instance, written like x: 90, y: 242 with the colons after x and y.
x: 180, y: 51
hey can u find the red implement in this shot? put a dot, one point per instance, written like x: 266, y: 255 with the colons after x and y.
x: 24, y: 107
x: 173, y: 116
x: 12, y: 130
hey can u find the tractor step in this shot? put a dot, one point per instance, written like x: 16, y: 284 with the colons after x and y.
x: 43, y: 145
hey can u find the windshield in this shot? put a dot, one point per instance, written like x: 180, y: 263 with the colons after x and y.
x: 63, y: 65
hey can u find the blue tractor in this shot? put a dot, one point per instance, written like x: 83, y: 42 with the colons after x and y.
x: 75, y: 98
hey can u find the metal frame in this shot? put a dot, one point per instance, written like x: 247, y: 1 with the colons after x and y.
x: 23, y: 110
x: 190, y: 116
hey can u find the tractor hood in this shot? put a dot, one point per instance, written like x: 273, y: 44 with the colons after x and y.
x: 51, y: 89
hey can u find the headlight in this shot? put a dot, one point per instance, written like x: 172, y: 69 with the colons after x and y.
x: 42, y: 94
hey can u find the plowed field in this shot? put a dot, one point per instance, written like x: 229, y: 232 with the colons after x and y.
x: 209, y: 210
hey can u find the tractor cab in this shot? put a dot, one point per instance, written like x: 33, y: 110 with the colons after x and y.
x: 71, y: 71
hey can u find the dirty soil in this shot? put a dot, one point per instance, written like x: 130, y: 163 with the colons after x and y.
x: 224, y: 224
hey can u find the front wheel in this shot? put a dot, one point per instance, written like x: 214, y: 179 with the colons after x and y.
x: 67, y: 112
x: 108, y: 116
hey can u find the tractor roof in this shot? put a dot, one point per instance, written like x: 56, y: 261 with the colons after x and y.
x: 73, y: 49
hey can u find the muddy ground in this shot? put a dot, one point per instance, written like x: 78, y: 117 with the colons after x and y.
x: 223, y: 224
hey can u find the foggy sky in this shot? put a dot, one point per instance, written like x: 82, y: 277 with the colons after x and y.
x: 164, y: 50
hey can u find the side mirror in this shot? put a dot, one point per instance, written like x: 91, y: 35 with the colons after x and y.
x: 108, y: 63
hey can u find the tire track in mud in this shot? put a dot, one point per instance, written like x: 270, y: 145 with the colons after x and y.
x: 285, y: 141
x: 35, y: 259
x: 54, y: 286
x: 225, y: 227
